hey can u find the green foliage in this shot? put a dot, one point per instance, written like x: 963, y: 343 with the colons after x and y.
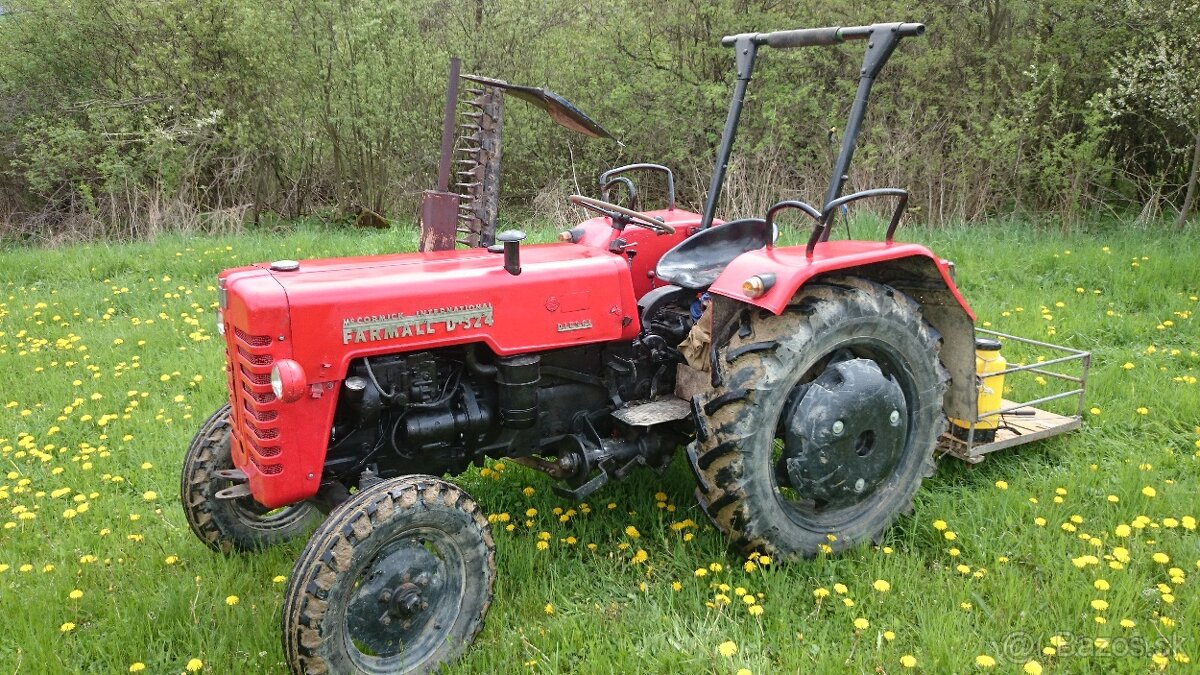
x: 129, y: 117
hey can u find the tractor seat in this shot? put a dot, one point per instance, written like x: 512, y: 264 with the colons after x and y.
x: 696, y: 262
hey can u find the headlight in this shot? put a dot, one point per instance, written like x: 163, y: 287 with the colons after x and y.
x: 757, y: 285
x: 287, y: 381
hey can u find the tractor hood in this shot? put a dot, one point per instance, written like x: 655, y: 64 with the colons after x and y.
x: 346, y: 308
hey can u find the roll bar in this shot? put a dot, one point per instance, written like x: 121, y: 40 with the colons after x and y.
x: 882, y: 39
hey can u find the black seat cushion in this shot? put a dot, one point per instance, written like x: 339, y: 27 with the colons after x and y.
x: 696, y: 262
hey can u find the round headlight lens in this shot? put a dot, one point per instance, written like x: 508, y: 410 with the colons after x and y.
x: 276, y: 382
x: 287, y: 381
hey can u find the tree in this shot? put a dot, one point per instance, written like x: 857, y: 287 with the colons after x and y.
x: 1155, y: 80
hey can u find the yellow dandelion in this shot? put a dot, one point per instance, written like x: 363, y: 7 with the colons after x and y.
x: 194, y: 665
x: 727, y: 648
x: 985, y: 661
x: 67, y: 627
x: 1032, y: 668
x: 882, y: 585
x: 632, y: 532
x: 549, y: 608
x: 861, y: 623
x: 137, y: 667
x: 908, y: 661
x: 232, y: 600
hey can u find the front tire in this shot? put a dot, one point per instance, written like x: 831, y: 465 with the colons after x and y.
x: 397, y: 580
x: 227, y: 525
x: 825, y: 421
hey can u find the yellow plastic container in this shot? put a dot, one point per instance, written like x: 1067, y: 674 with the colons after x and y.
x: 988, y: 359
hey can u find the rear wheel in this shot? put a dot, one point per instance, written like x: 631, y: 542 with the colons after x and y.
x: 227, y: 525
x: 826, y: 420
x: 397, y: 580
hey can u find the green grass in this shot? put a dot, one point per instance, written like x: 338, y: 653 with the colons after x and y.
x: 109, y: 362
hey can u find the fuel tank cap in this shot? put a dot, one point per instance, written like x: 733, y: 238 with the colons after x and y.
x: 285, y: 266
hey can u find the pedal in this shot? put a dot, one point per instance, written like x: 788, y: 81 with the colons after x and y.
x: 659, y: 411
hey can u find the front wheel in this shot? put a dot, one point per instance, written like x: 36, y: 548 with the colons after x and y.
x: 228, y: 525
x: 826, y: 420
x: 397, y: 580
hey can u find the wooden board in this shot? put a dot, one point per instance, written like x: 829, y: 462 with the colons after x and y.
x: 1015, y: 430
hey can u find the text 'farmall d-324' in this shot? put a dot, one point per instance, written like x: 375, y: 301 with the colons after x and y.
x: 810, y: 385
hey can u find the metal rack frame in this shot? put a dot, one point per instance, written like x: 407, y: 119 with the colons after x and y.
x: 1036, y: 423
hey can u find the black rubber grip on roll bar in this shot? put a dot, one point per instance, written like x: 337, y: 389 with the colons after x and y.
x: 804, y: 37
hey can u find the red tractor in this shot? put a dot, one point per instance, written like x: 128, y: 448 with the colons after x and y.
x: 809, y: 385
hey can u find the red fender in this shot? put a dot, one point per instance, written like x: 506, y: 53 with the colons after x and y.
x: 792, y: 269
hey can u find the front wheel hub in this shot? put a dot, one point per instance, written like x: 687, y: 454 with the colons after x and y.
x: 843, y: 434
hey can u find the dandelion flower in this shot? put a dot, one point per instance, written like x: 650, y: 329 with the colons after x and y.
x: 985, y: 661
x: 1001, y: 485
x: 1161, y: 558
x: 75, y: 594
x: 278, y: 579
x: 861, y: 623
x: 194, y: 665
x: 755, y: 610
x: 889, y: 635
x: 908, y: 661
x: 632, y: 532
x: 882, y: 585
x: 549, y: 608
x: 1032, y: 668
x: 727, y: 648
x: 137, y: 667
x: 840, y: 589
x: 67, y: 627
x: 232, y: 600
x: 150, y: 495
x: 821, y: 593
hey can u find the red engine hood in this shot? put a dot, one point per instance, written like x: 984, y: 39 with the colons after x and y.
x: 345, y: 308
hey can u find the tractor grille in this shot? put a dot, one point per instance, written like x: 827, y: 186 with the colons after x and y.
x: 252, y: 386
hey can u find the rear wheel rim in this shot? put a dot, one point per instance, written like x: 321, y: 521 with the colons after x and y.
x: 813, y: 514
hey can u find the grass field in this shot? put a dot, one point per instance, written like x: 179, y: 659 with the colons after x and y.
x: 1077, y: 554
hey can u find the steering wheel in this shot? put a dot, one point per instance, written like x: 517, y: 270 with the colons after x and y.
x: 621, y: 213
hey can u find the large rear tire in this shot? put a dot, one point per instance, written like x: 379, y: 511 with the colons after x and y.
x: 228, y: 525
x: 397, y: 580
x: 825, y: 420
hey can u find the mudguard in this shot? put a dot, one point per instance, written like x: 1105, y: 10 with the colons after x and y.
x: 910, y: 268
